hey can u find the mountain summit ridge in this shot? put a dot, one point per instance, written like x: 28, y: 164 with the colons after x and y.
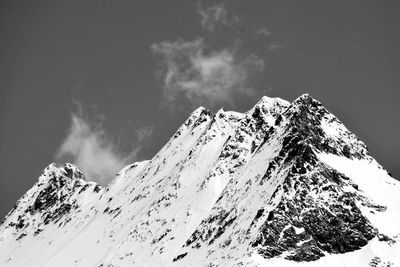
x: 283, y: 183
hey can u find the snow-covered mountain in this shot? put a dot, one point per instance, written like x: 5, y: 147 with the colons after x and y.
x: 280, y: 185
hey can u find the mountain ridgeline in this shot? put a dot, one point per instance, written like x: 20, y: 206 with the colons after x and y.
x: 282, y: 184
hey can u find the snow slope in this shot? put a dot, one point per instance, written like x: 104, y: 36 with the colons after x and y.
x: 282, y: 184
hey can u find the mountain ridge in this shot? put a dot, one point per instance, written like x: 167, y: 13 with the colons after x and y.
x: 227, y: 189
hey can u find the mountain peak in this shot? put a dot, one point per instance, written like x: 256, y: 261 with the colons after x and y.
x: 73, y: 172
x: 199, y: 111
x: 69, y: 170
x: 305, y: 97
x: 266, y: 100
x: 270, y: 104
x: 306, y: 100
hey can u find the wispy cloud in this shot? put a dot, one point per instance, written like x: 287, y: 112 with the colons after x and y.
x: 263, y: 32
x: 275, y: 47
x: 205, y: 77
x: 89, y: 147
x: 211, y: 16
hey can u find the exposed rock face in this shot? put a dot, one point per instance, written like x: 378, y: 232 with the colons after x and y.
x: 280, y: 182
x: 314, y: 216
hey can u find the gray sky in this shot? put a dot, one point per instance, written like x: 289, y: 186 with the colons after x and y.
x: 110, y: 81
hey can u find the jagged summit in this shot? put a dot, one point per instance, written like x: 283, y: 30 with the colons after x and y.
x: 270, y: 101
x: 304, y: 97
x: 281, y: 184
x: 69, y: 170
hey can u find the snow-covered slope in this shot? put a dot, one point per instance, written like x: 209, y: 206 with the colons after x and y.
x: 282, y: 184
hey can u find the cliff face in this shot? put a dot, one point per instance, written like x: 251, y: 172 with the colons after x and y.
x: 284, y: 183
